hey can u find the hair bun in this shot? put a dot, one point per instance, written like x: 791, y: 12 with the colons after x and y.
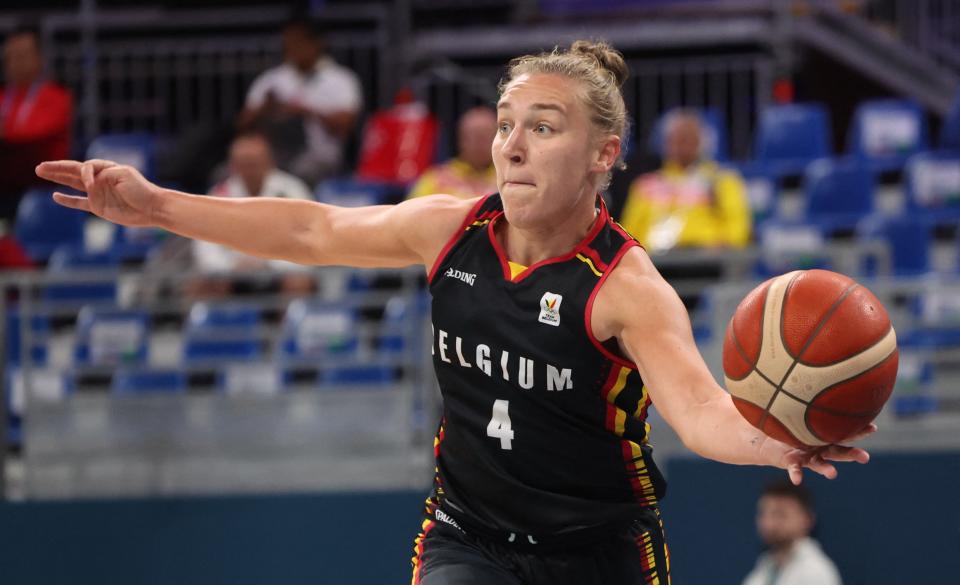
x: 606, y: 57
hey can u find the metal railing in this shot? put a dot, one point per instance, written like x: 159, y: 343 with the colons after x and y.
x: 166, y: 71
x: 735, y: 86
x: 932, y: 26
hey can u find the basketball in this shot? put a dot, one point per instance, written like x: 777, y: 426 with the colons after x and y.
x: 810, y: 357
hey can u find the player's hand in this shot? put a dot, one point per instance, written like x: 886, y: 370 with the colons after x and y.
x: 118, y: 193
x: 818, y: 459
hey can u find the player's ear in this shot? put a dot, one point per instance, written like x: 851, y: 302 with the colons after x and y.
x: 607, y: 154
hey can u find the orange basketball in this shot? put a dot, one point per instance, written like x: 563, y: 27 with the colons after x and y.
x: 810, y: 357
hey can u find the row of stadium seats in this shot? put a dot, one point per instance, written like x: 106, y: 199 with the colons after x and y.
x: 312, y: 333
x: 225, y: 347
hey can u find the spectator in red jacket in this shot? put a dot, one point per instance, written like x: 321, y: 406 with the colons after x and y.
x: 35, y: 118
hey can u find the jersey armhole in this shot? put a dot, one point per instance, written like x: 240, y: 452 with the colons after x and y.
x: 588, y: 312
x: 455, y: 238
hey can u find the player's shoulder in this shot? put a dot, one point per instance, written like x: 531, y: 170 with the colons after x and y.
x: 438, y: 208
x: 633, y: 282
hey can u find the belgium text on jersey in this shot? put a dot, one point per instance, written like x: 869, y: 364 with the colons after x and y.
x: 460, y: 275
x: 484, y: 358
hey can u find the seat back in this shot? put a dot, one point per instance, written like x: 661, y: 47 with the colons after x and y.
x: 42, y: 225
x: 788, y: 137
x: 111, y: 337
x: 887, y: 132
x: 139, y: 150
x: 839, y: 192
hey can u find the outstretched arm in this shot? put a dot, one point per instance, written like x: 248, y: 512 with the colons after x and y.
x: 306, y: 232
x: 645, y: 314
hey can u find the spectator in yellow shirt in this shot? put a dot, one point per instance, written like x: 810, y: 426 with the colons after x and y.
x: 471, y: 173
x: 689, y: 202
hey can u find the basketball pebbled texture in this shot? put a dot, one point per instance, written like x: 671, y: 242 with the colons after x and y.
x: 810, y: 357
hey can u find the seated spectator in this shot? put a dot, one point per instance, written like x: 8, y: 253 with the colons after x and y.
x: 785, y: 520
x: 35, y: 118
x: 308, y: 106
x: 252, y: 174
x: 690, y: 201
x: 471, y: 173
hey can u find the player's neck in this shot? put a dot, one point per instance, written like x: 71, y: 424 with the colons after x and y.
x: 532, y: 245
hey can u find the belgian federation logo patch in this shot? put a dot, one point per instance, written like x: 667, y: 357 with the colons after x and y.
x: 550, y: 308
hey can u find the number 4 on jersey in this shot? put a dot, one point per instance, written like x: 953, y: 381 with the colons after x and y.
x: 499, y: 427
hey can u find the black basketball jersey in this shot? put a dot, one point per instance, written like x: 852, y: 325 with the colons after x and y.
x: 544, y: 428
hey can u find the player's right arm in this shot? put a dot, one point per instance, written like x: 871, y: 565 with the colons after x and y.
x: 305, y: 232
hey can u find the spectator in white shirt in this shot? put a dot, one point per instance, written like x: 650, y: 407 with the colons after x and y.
x: 784, y: 520
x: 252, y: 174
x: 308, y: 105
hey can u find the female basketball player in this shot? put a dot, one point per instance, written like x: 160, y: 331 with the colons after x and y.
x: 552, y: 334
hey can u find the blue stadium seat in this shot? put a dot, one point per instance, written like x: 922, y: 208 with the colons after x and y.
x: 233, y: 316
x: 714, y: 142
x: 111, y: 337
x: 950, y: 132
x: 101, y: 268
x: 348, y: 192
x: 147, y: 381
x: 312, y: 329
x: 909, y: 239
x: 40, y: 332
x: 932, y: 185
x: 360, y: 375
x: 213, y: 351
x: 135, y: 244
x: 788, y: 137
x: 839, y: 193
x: 885, y: 133
x: 42, y: 225
x: 139, y: 150
x: 220, y: 333
x: 400, y: 319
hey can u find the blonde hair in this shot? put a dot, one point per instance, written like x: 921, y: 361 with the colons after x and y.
x: 601, y: 71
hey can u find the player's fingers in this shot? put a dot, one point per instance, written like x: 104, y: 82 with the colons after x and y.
x: 819, y: 465
x: 795, y: 471
x: 60, y: 171
x: 72, y: 201
x: 87, y: 176
x: 845, y: 453
x: 65, y: 179
x: 863, y: 433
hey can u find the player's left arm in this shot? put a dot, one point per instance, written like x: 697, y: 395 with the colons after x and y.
x: 639, y: 308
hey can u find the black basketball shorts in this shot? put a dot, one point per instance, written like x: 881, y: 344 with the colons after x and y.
x: 446, y: 555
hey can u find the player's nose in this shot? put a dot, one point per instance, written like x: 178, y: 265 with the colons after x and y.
x: 514, y: 147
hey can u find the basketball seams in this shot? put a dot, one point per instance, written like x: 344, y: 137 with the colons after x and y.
x: 844, y: 381
x: 743, y: 354
x: 813, y: 335
x: 851, y: 356
x: 780, y: 299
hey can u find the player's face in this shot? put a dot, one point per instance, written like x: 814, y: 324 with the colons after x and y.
x: 547, y: 155
x: 781, y: 520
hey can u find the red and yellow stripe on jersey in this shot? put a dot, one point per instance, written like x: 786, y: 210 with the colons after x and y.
x: 627, y: 404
